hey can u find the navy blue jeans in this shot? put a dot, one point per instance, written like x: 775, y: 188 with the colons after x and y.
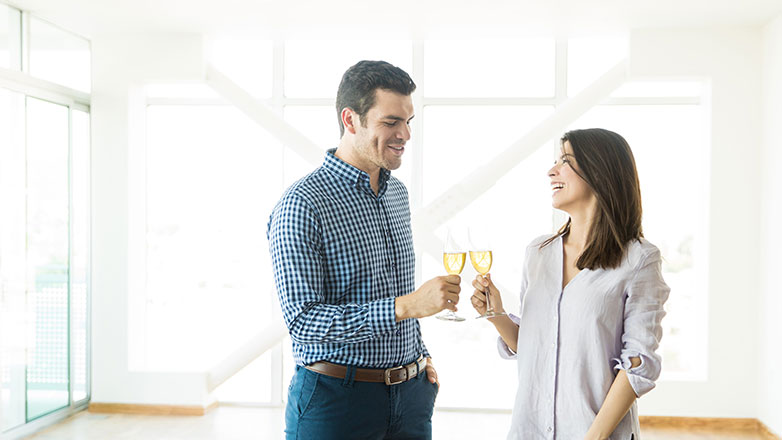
x: 324, y: 408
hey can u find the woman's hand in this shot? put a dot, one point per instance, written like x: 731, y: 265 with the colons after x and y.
x: 478, y: 299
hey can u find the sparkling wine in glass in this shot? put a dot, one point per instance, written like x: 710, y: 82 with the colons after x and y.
x: 453, y: 260
x: 481, y: 259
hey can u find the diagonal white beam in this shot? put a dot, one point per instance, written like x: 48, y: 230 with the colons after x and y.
x: 244, y: 355
x: 461, y: 194
x: 482, y: 179
x: 263, y: 115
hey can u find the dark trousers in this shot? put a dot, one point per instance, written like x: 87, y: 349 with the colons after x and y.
x: 324, y: 408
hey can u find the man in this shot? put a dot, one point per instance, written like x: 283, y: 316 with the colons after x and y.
x: 343, y: 258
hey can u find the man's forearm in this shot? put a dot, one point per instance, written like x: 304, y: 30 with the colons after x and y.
x: 326, y: 323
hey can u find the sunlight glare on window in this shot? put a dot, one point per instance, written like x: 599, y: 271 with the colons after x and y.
x: 314, y: 68
x: 489, y: 68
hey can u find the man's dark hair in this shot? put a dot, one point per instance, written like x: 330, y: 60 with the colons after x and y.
x: 357, y: 88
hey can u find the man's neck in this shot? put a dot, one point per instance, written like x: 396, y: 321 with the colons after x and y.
x: 346, y: 153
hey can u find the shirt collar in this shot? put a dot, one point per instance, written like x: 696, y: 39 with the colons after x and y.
x: 353, y: 175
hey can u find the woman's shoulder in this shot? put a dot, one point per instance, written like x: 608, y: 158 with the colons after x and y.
x: 641, y: 251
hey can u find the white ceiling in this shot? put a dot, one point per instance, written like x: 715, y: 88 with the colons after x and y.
x: 393, y: 19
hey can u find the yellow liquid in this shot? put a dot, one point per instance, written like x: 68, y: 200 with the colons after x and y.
x: 481, y: 261
x: 454, y: 262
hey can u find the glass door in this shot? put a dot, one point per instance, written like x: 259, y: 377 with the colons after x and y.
x: 44, y: 258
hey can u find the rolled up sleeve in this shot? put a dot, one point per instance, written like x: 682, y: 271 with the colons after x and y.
x: 646, y: 296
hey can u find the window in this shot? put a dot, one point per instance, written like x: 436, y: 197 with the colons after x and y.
x: 303, y: 79
x: 47, y: 256
x: 213, y: 176
x: 489, y: 68
x: 59, y: 56
x: 10, y: 37
x: 461, y: 124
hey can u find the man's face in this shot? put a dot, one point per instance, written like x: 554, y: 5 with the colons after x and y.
x: 381, y: 135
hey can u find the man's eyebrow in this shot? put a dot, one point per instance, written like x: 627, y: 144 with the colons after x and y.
x: 396, y: 118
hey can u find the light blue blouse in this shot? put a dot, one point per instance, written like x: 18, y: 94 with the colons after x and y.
x: 572, y: 341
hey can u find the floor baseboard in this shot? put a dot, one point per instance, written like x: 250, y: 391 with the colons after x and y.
x: 159, y: 410
x: 716, y: 423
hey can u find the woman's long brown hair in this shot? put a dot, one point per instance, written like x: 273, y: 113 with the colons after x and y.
x: 607, y: 165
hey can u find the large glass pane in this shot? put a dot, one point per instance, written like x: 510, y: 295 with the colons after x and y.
x: 588, y: 58
x: 673, y: 219
x: 213, y: 176
x: 80, y: 257
x: 455, y: 141
x: 489, y: 68
x: 47, y: 257
x: 306, y: 79
x: 513, y: 212
x: 10, y: 37
x: 247, y: 62
x: 320, y: 125
x: 13, y: 318
x: 59, y: 56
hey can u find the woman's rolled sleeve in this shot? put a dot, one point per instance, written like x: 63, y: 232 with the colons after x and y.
x: 646, y: 296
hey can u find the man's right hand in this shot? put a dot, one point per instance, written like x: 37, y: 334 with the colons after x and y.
x: 435, y: 295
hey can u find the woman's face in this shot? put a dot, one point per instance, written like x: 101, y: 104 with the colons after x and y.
x: 570, y: 193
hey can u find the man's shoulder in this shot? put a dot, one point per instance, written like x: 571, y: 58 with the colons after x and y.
x: 396, y: 187
x: 309, y: 188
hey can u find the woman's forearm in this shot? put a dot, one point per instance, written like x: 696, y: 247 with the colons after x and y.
x: 508, y: 330
x: 616, y: 404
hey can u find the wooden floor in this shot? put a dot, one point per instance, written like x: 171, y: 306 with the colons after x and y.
x: 241, y: 423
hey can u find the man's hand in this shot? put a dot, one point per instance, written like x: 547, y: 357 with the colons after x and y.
x: 433, y: 296
x: 431, y: 374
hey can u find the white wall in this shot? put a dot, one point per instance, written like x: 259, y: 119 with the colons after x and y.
x: 769, y: 379
x: 731, y: 60
x: 120, y: 66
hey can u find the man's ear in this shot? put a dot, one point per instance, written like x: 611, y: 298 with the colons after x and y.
x: 350, y: 120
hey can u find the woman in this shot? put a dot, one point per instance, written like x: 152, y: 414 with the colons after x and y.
x: 591, y: 302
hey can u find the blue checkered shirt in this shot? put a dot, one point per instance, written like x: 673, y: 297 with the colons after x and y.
x: 341, y: 254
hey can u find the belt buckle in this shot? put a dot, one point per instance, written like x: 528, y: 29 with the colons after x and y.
x: 387, y: 375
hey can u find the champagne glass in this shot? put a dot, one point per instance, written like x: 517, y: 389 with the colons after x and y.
x: 481, y: 259
x: 453, y: 260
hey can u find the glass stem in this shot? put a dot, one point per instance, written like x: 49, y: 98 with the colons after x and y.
x: 489, y: 308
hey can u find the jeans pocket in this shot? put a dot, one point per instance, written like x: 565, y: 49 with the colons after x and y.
x: 302, y: 389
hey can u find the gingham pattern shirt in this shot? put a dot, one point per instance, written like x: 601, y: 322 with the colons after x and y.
x: 341, y: 254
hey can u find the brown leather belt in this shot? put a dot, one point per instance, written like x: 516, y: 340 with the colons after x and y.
x: 389, y: 376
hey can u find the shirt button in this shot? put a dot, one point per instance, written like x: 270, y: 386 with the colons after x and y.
x: 553, y: 345
x: 549, y: 429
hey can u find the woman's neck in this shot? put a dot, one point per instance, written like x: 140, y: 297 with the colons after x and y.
x: 580, y: 224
